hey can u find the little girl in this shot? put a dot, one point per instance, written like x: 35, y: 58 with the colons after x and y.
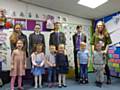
x: 38, y: 60
x: 61, y: 65
x: 18, y: 64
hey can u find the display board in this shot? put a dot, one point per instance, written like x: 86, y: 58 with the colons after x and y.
x: 28, y: 27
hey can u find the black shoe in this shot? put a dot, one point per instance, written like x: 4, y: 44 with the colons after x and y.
x: 86, y: 81
x: 76, y: 80
x: 99, y: 84
x: 59, y: 86
x: 64, y: 85
x: 0, y: 86
x: 96, y: 82
x: 81, y: 81
x: 108, y: 81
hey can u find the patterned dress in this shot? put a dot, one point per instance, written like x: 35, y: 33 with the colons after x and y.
x: 39, y: 60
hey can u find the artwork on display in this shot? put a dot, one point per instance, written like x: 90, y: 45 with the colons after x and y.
x: 23, y: 22
x: 9, y: 23
x: 3, y: 48
x: 2, y: 22
x: 22, y: 14
x: 37, y: 16
x: 113, y: 26
x: 30, y: 15
x: 2, y: 13
x: 2, y: 17
x: 13, y: 14
x: 31, y: 24
x: 49, y: 22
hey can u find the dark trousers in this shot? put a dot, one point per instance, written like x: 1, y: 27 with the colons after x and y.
x: 76, y: 65
x: 107, y: 70
x: 52, y: 74
x: 83, y: 71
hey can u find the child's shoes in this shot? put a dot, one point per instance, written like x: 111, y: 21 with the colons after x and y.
x: 59, y: 86
x: 20, y: 88
x: 50, y: 85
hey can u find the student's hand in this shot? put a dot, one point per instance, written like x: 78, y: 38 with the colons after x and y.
x: 104, y: 66
x: 88, y: 65
x: 12, y: 67
x: 41, y: 65
x: 54, y: 65
x: 65, y: 52
x: 104, y: 51
x: 25, y: 66
x: 78, y: 65
x: 37, y: 65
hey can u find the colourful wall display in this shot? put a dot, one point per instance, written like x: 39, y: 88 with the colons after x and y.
x: 112, y: 23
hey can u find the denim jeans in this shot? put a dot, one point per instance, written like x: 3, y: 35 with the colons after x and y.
x: 52, y: 73
x: 83, y: 71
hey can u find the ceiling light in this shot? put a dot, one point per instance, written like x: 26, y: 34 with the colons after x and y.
x: 92, y: 3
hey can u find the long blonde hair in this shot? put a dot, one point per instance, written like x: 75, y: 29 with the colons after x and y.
x: 14, y: 36
x: 104, y: 31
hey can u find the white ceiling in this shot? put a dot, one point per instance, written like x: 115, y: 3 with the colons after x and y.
x: 71, y: 7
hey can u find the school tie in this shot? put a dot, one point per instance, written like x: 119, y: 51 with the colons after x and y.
x: 57, y: 35
x: 78, y: 42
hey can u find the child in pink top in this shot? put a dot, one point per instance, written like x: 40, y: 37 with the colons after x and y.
x: 18, y: 64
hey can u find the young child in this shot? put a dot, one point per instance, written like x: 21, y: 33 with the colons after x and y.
x: 83, y: 62
x: 18, y: 64
x: 99, y: 64
x: 51, y: 66
x: 61, y: 65
x: 38, y: 60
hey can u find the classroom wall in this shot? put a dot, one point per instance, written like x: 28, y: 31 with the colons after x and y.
x: 14, y: 5
x: 18, y: 7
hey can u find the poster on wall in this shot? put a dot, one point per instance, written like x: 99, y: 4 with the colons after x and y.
x: 23, y: 22
x: 50, y: 23
x: 31, y: 24
x: 113, y: 27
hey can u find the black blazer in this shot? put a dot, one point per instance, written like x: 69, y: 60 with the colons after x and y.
x: 36, y: 39
x: 53, y: 39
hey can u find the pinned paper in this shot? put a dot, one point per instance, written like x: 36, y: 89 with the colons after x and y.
x: 116, y: 65
x: 111, y: 60
x: 22, y: 14
x: 110, y: 64
x: 117, y: 69
x: 118, y: 61
x: 110, y: 55
x: 111, y: 51
x: 116, y: 56
x: 113, y: 73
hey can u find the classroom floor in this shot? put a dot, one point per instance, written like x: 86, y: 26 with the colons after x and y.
x: 72, y: 85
